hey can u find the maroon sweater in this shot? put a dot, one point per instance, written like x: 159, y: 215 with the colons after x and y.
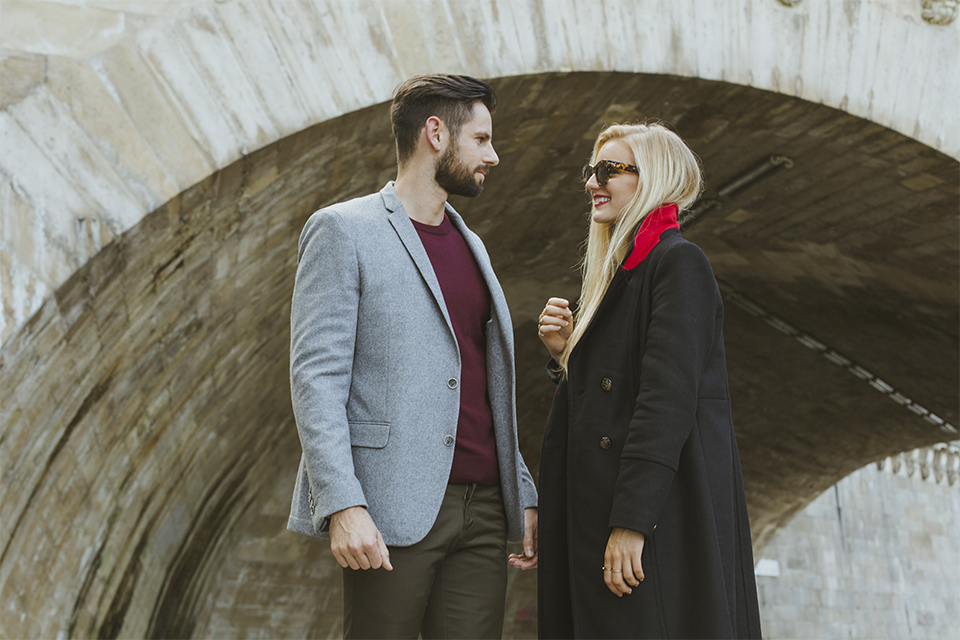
x: 468, y: 304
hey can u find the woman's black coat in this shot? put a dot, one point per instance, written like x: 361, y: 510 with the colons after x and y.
x: 640, y: 436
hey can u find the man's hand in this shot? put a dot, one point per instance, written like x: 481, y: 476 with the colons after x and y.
x: 529, y: 558
x: 621, y: 561
x: 356, y: 542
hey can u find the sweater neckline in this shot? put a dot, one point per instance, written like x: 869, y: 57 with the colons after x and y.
x: 442, y: 229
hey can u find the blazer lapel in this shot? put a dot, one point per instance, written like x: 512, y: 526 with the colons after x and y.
x: 498, y: 301
x: 411, y: 240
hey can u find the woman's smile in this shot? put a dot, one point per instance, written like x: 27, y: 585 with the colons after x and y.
x: 611, y: 200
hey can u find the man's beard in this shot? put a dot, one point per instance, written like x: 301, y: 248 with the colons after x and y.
x: 455, y: 177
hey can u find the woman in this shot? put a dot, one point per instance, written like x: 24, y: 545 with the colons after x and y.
x: 643, y: 523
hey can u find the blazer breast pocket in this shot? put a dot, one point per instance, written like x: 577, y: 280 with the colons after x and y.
x: 373, y: 435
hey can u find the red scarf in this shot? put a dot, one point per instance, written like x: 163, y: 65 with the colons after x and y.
x: 657, y: 221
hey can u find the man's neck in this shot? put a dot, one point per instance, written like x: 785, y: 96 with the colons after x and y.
x: 422, y: 197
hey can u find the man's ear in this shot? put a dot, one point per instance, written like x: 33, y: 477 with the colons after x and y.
x: 436, y: 131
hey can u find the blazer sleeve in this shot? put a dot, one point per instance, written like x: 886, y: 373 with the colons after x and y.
x: 679, y: 339
x: 323, y: 328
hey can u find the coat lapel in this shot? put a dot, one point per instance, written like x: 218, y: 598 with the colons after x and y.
x: 411, y: 240
x: 613, y: 292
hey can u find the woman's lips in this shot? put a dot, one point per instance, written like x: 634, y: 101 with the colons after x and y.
x: 600, y: 200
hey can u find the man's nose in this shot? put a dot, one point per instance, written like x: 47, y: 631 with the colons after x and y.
x: 491, y: 158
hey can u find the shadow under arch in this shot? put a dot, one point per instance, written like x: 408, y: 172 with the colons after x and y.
x: 146, y: 418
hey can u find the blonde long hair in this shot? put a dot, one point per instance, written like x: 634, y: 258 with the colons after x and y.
x: 669, y: 173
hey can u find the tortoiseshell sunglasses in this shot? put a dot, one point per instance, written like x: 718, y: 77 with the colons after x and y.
x: 606, y: 168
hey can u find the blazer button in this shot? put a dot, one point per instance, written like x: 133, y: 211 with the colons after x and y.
x: 605, y: 442
x: 452, y: 383
x: 448, y: 440
x: 606, y: 384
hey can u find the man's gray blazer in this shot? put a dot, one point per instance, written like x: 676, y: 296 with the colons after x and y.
x: 375, y: 374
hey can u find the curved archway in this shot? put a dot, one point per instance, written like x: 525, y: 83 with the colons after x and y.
x: 118, y: 110
x: 148, y: 428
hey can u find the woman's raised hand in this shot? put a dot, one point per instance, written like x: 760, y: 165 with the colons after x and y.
x: 555, y: 325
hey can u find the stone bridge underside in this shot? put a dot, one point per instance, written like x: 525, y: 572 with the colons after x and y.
x: 149, y: 446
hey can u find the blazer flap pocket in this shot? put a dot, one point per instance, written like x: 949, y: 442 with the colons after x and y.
x: 369, y: 434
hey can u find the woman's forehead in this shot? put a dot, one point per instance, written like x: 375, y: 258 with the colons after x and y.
x: 615, y: 150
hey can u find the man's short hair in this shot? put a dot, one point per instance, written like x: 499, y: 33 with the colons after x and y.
x: 450, y: 98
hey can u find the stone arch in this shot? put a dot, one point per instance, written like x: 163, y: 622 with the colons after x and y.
x: 145, y: 416
x: 148, y: 433
x: 118, y: 110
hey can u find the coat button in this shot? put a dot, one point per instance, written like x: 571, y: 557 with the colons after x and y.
x: 448, y: 440
x: 605, y: 442
x: 452, y: 383
x: 606, y: 384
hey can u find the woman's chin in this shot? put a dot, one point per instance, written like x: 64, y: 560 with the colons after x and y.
x: 604, y: 217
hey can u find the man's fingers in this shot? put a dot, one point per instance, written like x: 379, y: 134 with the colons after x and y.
x: 522, y: 562
x: 360, y: 554
x: 340, y: 559
x: 384, y: 554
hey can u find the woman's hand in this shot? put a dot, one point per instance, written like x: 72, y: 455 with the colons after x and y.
x: 555, y: 325
x: 621, y: 561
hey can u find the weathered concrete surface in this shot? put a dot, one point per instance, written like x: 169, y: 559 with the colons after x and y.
x: 146, y: 426
x: 109, y: 108
x: 873, y: 557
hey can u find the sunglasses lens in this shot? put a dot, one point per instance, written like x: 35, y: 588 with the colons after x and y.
x: 587, y: 172
x: 603, y: 173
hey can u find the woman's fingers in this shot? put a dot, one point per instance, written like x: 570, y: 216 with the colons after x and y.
x: 629, y: 569
x: 553, y: 310
x: 553, y: 322
x: 621, y: 561
x: 613, y: 577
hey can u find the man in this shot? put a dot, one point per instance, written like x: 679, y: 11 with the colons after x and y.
x: 403, y: 385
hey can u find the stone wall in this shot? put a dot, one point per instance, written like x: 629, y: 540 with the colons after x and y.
x: 875, y: 556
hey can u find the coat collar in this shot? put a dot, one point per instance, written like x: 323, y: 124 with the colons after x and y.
x: 655, y: 226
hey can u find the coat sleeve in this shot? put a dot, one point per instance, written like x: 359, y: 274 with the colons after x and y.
x: 553, y: 371
x: 323, y: 328
x: 679, y: 339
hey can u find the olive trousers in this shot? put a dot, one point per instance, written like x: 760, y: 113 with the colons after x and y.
x: 451, y: 584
